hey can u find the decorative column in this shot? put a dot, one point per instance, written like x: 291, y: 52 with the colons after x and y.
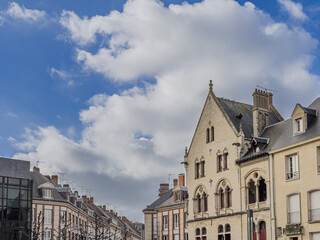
x: 257, y: 195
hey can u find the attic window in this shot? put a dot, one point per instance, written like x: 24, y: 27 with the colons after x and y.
x: 298, y: 125
x: 47, y: 193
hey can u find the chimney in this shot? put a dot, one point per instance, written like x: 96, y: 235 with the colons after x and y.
x: 47, y: 176
x: 65, y: 185
x: 181, y: 179
x: 175, y: 182
x: 164, y: 187
x: 262, y: 102
x: 36, y: 169
x: 84, y: 197
x: 91, y: 200
x: 104, y: 207
x: 54, y: 179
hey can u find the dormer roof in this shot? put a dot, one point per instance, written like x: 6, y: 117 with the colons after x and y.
x: 46, y: 185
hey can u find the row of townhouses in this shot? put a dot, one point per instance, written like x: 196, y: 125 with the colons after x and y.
x: 250, y: 175
x: 38, y: 207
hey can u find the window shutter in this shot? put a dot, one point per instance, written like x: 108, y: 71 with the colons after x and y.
x: 315, y: 200
x: 296, y: 165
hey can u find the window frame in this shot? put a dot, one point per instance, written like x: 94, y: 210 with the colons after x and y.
x: 165, y: 222
x: 45, y: 191
x: 310, y: 220
x: 176, y: 221
x: 294, y: 174
x: 289, y: 221
x: 298, y: 125
x: 47, y: 220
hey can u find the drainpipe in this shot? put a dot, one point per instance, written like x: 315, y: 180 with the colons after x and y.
x: 272, y: 196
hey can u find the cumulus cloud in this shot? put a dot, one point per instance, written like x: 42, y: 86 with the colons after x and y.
x: 294, y: 9
x: 141, y: 132
x: 20, y: 12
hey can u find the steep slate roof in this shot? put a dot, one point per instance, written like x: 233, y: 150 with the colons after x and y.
x: 160, y: 200
x: 233, y: 109
x: 281, y: 134
x: 39, y: 179
x: 14, y: 168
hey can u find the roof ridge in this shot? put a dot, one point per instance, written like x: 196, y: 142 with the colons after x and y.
x: 234, y: 101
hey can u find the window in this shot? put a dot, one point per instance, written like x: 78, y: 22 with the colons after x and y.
x: 208, y: 135
x: 292, y: 167
x: 228, y: 195
x: 63, y: 218
x: 177, y: 196
x: 315, y: 236
x: 294, y: 209
x: 47, y: 216
x: 314, y: 214
x: 155, y: 237
x: 155, y: 223
x: 220, y: 232
x: 176, y: 237
x: 227, y: 232
x: 47, y: 193
x: 176, y: 221
x: 252, y: 192
x: 205, y: 202
x: 47, y: 234
x: 262, y: 230
x: 202, y: 165
x: 212, y: 134
x: 262, y: 190
x: 165, y: 222
x: 186, y: 237
x: 199, y: 203
x: 220, y: 163
x: 201, y: 235
x: 226, y: 161
x: 221, y: 194
x: 165, y: 237
x: 298, y: 125
x: 197, y: 170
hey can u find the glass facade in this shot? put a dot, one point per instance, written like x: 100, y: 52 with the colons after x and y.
x: 15, y: 208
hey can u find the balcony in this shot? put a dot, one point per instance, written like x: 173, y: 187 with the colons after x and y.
x: 314, y: 215
x: 292, y: 175
x: 293, y: 229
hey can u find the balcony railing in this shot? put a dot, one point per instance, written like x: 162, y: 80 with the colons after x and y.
x: 314, y: 214
x: 294, y: 217
x: 292, y: 175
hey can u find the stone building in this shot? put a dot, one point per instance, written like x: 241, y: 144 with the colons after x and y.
x: 165, y: 218
x: 246, y: 157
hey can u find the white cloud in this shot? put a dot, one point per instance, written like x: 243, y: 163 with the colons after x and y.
x: 12, y: 139
x: 294, y: 9
x: 12, y: 115
x: 141, y: 132
x: 20, y: 12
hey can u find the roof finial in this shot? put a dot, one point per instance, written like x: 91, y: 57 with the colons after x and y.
x: 210, y: 85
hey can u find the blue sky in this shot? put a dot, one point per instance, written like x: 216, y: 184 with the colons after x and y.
x: 118, y: 94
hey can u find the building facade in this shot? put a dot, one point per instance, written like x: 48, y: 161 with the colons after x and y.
x: 15, y: 199
x: 166, y: 217
x: 247, y: 161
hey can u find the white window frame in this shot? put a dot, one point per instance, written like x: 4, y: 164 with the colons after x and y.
x: 47, y: 193
x: 292, y: 166
x: 165, y: 222
x: 155, y: 223
x: 176, y: 237
x: 48, y: 216
x: 298, y: 125
x: 176, y: 220
x: 47, y: 234
x: 291, y: 211
x: 314, y: 206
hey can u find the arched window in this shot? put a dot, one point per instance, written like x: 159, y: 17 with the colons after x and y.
x: 262, y: 190
x: 262, y: 231
x: 225, y: 161
x: 252, y: 192
x: 197, y: 231
x: 227, y: 232
x: 228, y: 195
x: 202, y: 168
x: 205, y: 202
x: 219, y: 163
x: 221, y: 194
x: 212, y: 133
x: 204, y: 231
x: 197, y: 170
x: 199, y: 203
x: 208, y: 135
x: 220, y: 229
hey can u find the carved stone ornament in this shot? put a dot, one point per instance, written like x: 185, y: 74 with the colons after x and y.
x: 224, y: 183
x: 200, y: 189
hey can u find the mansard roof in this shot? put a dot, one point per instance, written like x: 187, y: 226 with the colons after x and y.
x: 159, y: 201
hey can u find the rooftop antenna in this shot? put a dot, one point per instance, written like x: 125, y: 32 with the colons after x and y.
x: 169, y: 179
x: 266, y: 89
x: 37, y: 165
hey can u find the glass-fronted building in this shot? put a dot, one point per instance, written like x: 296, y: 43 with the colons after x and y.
x: 15, y: 199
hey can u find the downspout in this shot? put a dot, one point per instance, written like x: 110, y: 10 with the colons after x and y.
x: 272, y: 197
x: 240, y: 199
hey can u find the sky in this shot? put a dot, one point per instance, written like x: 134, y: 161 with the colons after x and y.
x: 107, y: 93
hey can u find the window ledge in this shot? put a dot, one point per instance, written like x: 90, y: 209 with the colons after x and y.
x: 314, y: 221
x: 292, y: 179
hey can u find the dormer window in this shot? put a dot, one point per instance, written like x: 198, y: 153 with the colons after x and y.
x: 47, y: 193
x: 298, y: 123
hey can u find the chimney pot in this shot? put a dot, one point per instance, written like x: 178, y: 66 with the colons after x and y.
x: 181, y: 179
x: 175, y: 182
x: 36, y: 169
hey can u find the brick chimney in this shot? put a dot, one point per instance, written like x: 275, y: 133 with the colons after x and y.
x: 54, y: 179
x: 164, y: 187
x: 36, y: 169
x: 181, y: 179
x: 91, y: 200
x: 262, y: 102
x: 175, y: 182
